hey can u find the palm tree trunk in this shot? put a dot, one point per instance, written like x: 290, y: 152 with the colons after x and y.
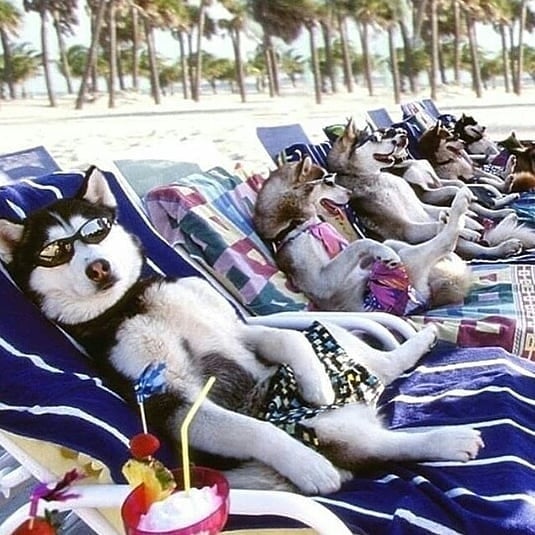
x: 183, y: 63
x: 46, y: 66
x: 512, y: 60
x: 394, y: 68
x: 63, y: 53
x: 269, y: 64
x: 314, y: 60
x: 348, y: 71
x: 520, y: 64
x: 409, y: 60
x: 92, y: 54
x: 240, y: 77
x: 329, y: 59
x: 135, y: 48
x: 476, y: 69
x: 198, y: 63
x: 112, y: 54
x: 505, y: 60
x: 7, y: 64
x: 364, y: 39
x: 457, y: 42
x: 433, y: 16
x: 153, y: 66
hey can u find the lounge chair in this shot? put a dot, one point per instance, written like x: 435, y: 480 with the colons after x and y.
x: 485, y: 387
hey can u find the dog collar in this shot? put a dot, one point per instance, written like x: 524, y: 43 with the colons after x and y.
x: 332, y: 240
x: 445, y: 162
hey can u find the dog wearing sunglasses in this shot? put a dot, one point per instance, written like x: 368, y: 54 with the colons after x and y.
x: 363, y: 274
x: 388, y: 207
x: 84, y: 271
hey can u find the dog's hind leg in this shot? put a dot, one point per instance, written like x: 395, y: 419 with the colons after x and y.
x: 220, y: 431
x: 387, y: 365
x: 420, y: 259
x: 353, y: 435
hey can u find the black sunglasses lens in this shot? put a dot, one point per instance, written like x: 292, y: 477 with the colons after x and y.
x: 55, y: 253
x: 60, y: 251
x: 95, y: 231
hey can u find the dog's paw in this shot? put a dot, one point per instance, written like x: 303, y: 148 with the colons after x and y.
x: 315, y: 385
x: 462, y: 200
x: 388, y: 257
x: 456, y: 443
x: 470, y: 235
x: 429, y: 335
x: 511, y: 247
x: 312, y: 473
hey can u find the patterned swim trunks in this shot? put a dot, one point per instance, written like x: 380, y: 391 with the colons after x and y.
x: 278, y: 401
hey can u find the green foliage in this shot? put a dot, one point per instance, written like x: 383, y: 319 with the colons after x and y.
x: 25, y: 63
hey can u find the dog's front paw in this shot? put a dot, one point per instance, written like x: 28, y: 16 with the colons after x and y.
x: 462, y: 200
x: 387, y: 256
x: 456, y: 443
x: 429, y: 335
x: 315, y: 385
x: 312, y: 473
x: 470, y: 235
x: 511, y: 247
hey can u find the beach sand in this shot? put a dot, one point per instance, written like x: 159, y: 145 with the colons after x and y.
x: 77, y: 138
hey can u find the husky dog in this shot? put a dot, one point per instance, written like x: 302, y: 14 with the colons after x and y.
x: 337, y: 275
x: 524, y: 172
x: 390, y: 209
x: 431, y: 189
x: 84, y: 271
x: 446, y: 152
x: 475, y: 137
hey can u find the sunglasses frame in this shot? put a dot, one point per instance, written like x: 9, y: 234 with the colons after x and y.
x: 64, y: 246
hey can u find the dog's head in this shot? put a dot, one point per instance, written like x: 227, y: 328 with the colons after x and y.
x: 438, y: 145
x: 293, y: 193
x: 361, y: 149
x: 511, y: 142
x: 468, y: 129
x: 71, y: 257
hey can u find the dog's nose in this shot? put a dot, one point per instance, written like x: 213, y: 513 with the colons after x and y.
x: 98, y: 271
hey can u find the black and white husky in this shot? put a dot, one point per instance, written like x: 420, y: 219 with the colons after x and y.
x: 84, y: 271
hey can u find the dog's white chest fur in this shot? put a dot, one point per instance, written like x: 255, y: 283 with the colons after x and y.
x: 183, y: 321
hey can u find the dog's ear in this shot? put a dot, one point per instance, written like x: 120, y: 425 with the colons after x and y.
x: 10, y: 236
x: 304, y: 168
x: 349, y: 135
x: 96, y: 190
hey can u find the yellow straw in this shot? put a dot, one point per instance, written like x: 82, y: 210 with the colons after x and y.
x: 184, y: 431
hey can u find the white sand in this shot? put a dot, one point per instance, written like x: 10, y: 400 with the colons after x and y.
x: 77, y: 138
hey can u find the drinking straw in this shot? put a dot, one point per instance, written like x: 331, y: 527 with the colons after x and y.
x: 184, y: 431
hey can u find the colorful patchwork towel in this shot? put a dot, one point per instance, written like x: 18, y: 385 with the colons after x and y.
x: 209, y: 215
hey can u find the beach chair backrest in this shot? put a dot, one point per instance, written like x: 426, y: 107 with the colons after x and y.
x: 49, y: 389
x: 209, y: 215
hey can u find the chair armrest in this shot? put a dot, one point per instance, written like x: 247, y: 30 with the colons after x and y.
x: 378, y: 324
x: 242, y: 502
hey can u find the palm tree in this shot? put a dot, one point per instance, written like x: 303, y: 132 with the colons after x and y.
x: 10, y: 19
x: 235, y: 26
x: 365, y: 15
x: 92, y: 52
x: 341, y: 16
x: 25, y: 63
x: 64, y: 18
x: 43, y: 8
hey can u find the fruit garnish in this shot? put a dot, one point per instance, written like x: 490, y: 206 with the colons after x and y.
x: 158, y: 480
x: 144, y: 445
x: 39, y: 525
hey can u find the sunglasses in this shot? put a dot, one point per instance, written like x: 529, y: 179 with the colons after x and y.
x: 61, y: 251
